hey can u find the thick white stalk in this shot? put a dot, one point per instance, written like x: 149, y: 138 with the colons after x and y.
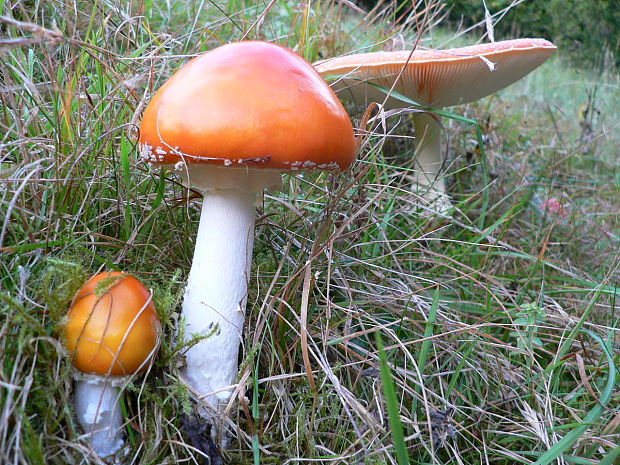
x: 216, y: 293
x: 428, y: 178
x: 99, y: 413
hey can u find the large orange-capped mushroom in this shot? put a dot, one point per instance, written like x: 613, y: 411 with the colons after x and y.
x: 248, y: 104
x: 112, y: 332
x: 437, y: 79
x: 230, y: 122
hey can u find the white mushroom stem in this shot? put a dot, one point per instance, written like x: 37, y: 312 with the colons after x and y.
x: 217, y: 286
x: 99, y: 413
x: 428, y: 178
x: 216, y: 291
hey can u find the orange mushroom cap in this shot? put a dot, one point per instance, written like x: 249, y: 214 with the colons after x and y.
x: 437, y: 78
x: 252, y: 104
x: 112, y: 326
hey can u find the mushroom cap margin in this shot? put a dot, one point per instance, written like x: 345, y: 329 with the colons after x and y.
x: 436, y: 78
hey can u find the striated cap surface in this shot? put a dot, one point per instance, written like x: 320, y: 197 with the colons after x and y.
x: 436, y: 78
x: 112, y: 326
x: 252, y: 104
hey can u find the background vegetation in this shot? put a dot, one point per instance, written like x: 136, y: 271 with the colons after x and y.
x: 488, y: 336
x: 587, y: 30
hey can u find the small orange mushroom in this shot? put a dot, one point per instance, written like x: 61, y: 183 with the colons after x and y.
x: 112, y: 332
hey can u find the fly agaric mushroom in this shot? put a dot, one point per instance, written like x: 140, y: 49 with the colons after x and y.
x: 229, y: 122
x: 435, y: 79
x: 112, y: 332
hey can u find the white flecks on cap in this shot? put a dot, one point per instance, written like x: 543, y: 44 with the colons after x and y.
x: 158, y: 155
x: 146, y: 153
x: 329, y: 166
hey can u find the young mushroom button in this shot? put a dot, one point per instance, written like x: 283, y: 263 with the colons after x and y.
x: 436, y: 79
x: 229, y: 122
x: 112, y: 332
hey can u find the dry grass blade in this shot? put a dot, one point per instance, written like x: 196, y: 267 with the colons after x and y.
x: 304, y: 324
x: 40, y: 35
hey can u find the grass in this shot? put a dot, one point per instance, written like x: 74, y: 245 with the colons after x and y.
x: 499, y: 327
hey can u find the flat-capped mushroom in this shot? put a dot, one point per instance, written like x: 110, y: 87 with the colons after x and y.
x: 434, y: 79
x: 112, y: 332
x: 229, y: 122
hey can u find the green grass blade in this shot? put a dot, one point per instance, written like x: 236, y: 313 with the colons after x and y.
x: 125, y: 153
x: 391, y: 400
x: 612, y: 458
x: 426, y: 345
x: 592, y: 416
x: 256, y: 416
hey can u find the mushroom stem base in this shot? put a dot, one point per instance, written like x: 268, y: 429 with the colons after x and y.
x: 99, y: 414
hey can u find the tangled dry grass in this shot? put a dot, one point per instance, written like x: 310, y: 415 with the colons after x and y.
x: 498, y: 326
